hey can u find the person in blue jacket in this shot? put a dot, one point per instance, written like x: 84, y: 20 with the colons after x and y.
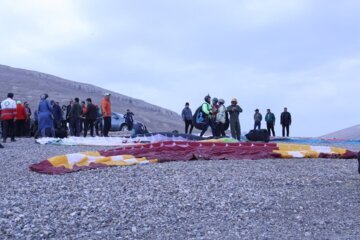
x: 45, y: 117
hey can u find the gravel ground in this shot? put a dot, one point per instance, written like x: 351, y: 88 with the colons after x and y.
x: 263, y: 199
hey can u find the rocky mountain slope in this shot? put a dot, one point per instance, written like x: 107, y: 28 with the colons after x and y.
x: 352, y: 133
x: 29, y: 85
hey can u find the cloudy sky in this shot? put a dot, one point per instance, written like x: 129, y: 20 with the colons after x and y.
x: 303, y: 54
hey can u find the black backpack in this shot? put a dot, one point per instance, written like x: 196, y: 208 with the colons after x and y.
x: 200, y: 119
x: 258, y: 135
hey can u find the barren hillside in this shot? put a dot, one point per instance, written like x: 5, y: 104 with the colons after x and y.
x: 347, y: 133
x: 29, y: 85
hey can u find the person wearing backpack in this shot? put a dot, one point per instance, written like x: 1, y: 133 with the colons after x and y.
x: 207, y: 111
x: 221, y: 119
x: 234, y: 110
x: 270, y: 122
x: 186, y: 115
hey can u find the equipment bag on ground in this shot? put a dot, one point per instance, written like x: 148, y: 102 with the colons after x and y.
x: 258, y: 135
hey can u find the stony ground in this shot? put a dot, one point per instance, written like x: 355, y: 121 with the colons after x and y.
x: 262, y: 199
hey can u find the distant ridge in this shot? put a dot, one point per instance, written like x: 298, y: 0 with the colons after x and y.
x: 28, y: 85
x: 351, y: 133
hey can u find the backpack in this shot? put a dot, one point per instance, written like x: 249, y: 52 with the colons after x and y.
x: 258, y: 135
x: 200, y: 119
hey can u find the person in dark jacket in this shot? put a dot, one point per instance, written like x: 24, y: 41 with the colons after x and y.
x: 129, y: 119
x: 285, y: 122
x: 234, y: 110
x: 28, y: 120
x: 57, y: 114
x: 270, y: 122
x: 187, y: 116
x: 74, y: 117
x: 98, y: 122
x: 257, y: 119
x: 358, y: 157
x: 90, y: 117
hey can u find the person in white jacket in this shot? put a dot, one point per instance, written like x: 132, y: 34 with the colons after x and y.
x: 8, y: 116
x: 221, y: 119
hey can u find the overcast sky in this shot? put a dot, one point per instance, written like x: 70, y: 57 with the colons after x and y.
x: 302, y: 54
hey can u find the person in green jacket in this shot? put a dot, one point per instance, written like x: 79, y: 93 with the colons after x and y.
x: 207, y: 110
x: 74, y: 116
x: 270, y: 122
x: 234, y: 110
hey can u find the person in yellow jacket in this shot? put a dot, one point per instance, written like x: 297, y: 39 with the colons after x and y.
x: 106, y: 113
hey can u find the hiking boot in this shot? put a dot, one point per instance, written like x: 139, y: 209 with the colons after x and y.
x: 1, y: 146
x: 13, y: 140
x: 4, y: 140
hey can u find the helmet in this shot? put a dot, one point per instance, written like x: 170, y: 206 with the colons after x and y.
x: 215, y: 100
x: 221, y: 101
x: 234, y: 100
x: 207, y: 98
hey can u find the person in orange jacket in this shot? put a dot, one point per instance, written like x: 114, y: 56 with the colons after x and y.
x: 20, y: 119
x: 106, y: 113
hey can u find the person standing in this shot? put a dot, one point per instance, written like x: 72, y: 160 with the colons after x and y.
x: 106, y: 113
x: 98, y: 122
x: 214, y: 111
x: 8, y: 116
x: 187, y: 116
x: 57, y: 114
x: 45, y: 117
x: 129, y: 119
x: 20, y: 119
x: 74, y: 117
x: 90, y: 117
x: 68, y: 110
x: 28, y: 120
x: 221, y: 118
x: 270, y: 122
x: 234, y: 111
x: 82, y: 117
x: 207, y: 111
x: 257, y: 119
x: 285, y: 122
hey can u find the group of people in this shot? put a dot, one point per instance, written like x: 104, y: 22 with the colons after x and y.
x: 285, y: 121
x: 217, y: 116
x: 80, y: 117
x: 50, y: 117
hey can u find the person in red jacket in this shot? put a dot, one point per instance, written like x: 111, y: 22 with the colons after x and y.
x: 20, y: 119
x: 8, y: 116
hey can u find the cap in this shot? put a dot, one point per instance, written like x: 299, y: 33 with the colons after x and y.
x: 107, y: 94
x: 256, y: 110
x: 234, y: 100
